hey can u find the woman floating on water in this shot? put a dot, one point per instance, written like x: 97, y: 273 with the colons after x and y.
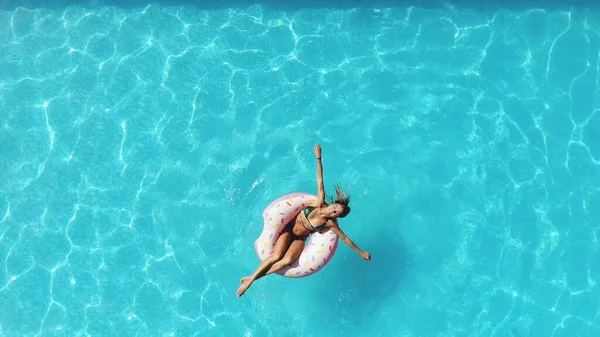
x: 314, y: 218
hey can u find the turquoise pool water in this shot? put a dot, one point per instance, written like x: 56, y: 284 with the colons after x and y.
x: 140, y: 144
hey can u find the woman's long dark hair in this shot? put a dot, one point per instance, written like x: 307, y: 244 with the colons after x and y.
x: 341, y: 198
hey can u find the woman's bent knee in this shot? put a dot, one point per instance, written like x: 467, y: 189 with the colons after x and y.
x: 275, y: 257
x: 285, y: 261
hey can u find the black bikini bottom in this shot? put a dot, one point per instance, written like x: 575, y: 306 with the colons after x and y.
x: 290, y: 228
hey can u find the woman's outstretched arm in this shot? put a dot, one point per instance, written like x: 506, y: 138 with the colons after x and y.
x: 336, y: 229
x: 320, y: 186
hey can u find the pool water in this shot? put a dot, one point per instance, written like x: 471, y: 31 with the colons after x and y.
x: 140, y: 144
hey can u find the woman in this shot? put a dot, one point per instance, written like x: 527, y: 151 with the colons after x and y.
x: 316, y: 218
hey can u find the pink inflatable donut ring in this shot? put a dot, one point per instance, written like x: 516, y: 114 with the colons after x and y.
x: 319, y: 249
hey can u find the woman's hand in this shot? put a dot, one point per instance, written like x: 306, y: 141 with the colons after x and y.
x: 366, y: 256
x: 317, y: 151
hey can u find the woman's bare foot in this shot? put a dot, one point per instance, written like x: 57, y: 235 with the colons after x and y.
x: 244, y: 279
x: 242, y: 289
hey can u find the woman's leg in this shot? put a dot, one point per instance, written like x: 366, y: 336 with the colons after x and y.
x: 290, y: 256
x: 281, y: 246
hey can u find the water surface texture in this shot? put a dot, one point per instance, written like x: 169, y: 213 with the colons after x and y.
x: 140, y: 144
